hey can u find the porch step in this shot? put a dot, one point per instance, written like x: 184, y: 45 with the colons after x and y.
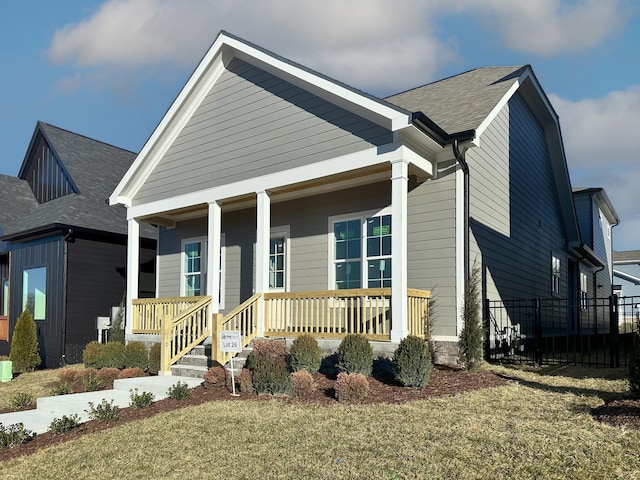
x: 191, y: 371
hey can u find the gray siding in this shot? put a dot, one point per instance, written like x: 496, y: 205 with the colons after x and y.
x: 431, y: 246
x: 515, y: 215
x: 628, y: 288
x: 252, y: 123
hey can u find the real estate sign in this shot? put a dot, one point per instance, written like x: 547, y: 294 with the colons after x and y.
x: 230, y: 341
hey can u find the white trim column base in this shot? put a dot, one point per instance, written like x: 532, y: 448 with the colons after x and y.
x: 399, y: 256
x: 133, y: 270
x: 214, y: 230
x: 263, y: 238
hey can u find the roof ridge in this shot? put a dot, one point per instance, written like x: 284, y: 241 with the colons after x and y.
x: 87, y: 137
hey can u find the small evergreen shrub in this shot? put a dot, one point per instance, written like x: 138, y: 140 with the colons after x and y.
x: 305, y: 354
x: 24, y: 344
x: 61, y: 388
x: 215, y: 376
x: 303, y: 384
x: 470, y: 341
x: 136, y: 355
x: 355, y: 355
x: 154, y: 359
x: 105, y: 411
x: 91, y: 354
x: 179, y: 391
x: 112, y: 355
x: 14, y: 435
x: 245, y: 383
x: 351, y: 386
x: 141, y: 400
x: 90, y: 380
x: 268, y: 365
x: 132, y: 373
x: 62, y: 425
x: 412, y: 362
x: 634, y: 367
x: 107, y: 376
x: 22, y: 399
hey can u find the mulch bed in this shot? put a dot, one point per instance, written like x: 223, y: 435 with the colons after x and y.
x: 619, y: 413
x: 382, y: 389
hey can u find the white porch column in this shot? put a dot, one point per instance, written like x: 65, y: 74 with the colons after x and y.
x: 263, y: 229
x: 133, y: 270
x: 213, y: 255
x: 399, y: 257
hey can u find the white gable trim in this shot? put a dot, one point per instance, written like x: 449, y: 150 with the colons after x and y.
x: 204, y: 77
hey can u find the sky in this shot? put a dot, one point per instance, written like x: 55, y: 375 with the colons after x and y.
x: 110, y: 69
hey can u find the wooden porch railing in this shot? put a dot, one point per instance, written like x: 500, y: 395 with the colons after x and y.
x: 418, y: 312
x: 180, y: 334
x: 149, y: 312
x: 4, y: 328
x: 243, y: 319
x: 329, y: 313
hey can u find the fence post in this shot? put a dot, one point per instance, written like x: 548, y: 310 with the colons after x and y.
x: 614, y: 331
x: 486, y: 323
x: 537, y: 332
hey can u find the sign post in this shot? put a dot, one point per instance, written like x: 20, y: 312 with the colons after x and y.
x: 230, y: 341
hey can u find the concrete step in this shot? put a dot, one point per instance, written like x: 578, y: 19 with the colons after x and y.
x: 191, y: 359
x: 191, y: 371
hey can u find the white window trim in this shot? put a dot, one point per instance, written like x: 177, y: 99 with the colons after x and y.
x: 362, y: 216
x: 283, y: 231
x: 203, y: 262
x: 555, y: 292
x: 584, y: 290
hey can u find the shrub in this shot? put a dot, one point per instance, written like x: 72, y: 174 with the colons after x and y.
x: 22, y: 399
x: 355, y: 355
x: 141, y: 400
x: 104, y: 411
x: 91, y: 354
x: 132, y: 373
x: 90, y: 380
x: 245, y: 382
x: 112, y: 355
x: 303, y: 384
x: 14, y: 435
x: 154, y: 359
x: 215, y: 376
x: 412, y: 362
x: 68, y: 375
x: 268, y: 365
x: 179, y: 391
x: 24, y: 344
x: 351, y: 386
x: 634, y: 367
x: 305, y: 354
x: 470, y: 343
x: 63, y: 424
x: 61, y: 388
x: 136, y: 355
x: 107, y: 376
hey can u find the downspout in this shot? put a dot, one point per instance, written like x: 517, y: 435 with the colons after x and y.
x: 465, y: 170
x: 68, y: 237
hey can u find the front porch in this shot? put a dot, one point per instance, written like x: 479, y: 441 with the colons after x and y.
x: 184, y: 322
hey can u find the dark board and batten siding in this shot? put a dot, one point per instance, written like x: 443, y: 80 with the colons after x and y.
x: 45, y: 176
x: 49, y: 254
x: 515, y: 209
x: 253, y: 123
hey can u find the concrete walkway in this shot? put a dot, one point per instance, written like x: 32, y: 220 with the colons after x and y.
x: 49, y: 408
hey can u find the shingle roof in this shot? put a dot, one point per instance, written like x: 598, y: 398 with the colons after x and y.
x: 16, y: 202
x: 627, y: 256
x: 95, y: 168
x: 461, y: 102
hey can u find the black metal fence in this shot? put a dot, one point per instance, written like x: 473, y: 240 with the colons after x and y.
x: 588, y: 331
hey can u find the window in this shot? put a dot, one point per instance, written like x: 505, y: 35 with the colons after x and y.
x: 279, y: 259
x: 34, y: 291
x: 4, y: 308
x: 555, y: 275
x: 362, y: 252
x: 194, y: 268
x: 583, y: 291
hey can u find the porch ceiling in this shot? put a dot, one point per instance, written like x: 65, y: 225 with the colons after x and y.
x: 353, y: 178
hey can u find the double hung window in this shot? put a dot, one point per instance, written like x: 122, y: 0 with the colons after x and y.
x: 555, y: 275
x: 583, y: 291
x: 194, y: 268
x: 361, y: 251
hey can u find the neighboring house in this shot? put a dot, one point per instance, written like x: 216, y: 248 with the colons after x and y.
x: 285, y: 196
x: 62, y: 248
x: 626, y: 273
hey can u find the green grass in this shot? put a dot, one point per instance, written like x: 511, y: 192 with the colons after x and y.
x: 537, y: 427
x: 37, y: 384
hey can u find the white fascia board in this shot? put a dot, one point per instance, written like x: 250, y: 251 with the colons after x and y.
x: 422, y: 163
x: 626, y: 276
x: 201, y: 81
x: 345, y: 163
x: 496, y: 110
